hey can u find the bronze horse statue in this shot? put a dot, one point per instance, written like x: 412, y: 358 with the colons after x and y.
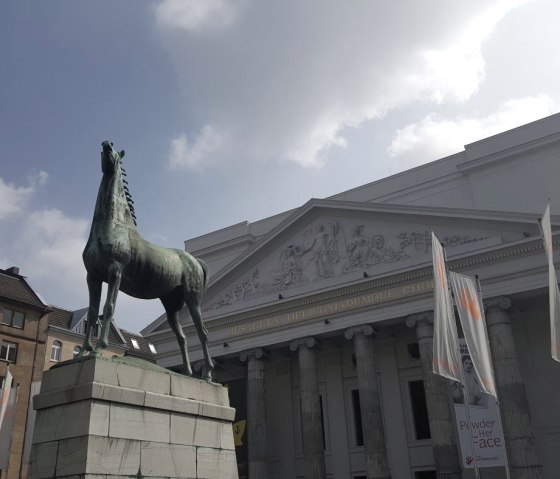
x: 115, y: 253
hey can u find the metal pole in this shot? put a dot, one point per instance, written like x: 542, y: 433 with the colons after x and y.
x: 506, y: 461
x: 466, y: 399
x: 464, y: 386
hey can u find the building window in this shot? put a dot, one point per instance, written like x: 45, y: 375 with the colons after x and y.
x: 358, y: 431
x: 152, y: 348
x: 77, y: 350
x: 322, y: 422
x: 419, y: 409
x: 134, y: 343
x: 56, y: 350
x: 13, y: 318
x: 8, y: 351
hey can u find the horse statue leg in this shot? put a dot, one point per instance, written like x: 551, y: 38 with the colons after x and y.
x: 172, y: 304
x: 94, y: 288
x: 113, y: 284
x: 193, y: 304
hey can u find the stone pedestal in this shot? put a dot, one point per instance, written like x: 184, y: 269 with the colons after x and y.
x: 125, y: 417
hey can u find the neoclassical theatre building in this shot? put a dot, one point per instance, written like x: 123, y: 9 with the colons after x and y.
x: 320, y: 319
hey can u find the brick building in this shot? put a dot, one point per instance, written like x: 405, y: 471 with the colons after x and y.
x: 23, y: 334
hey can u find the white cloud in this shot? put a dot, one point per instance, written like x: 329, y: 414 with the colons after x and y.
x: 51, y: 246
x: 47, y: 246
x: 455, y: 72
x: 435, y: 137
x: 14, y: 198
x: 194, y: 15
x: 287, y: 78
x: 185, y: 154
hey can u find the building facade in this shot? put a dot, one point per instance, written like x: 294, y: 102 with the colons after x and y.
x: 320, y: 319
x: 34, y: 337
x: 23, y: 334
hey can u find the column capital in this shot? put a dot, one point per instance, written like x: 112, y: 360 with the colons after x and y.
x: 309, y: 341
x: 415, y: 319
x: 498, y: 302
x: 365, y: 329
x: 258, y: 353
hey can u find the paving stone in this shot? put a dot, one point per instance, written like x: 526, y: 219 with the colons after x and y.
x: 182, y: 429
x: 167, y: 460
x: 118, y: 394
x: 113, y: 456
x: 207, y: 433
x: 218, y: 412
x: 191, y: 388
x: 72, y: 456
x: 67, y: 375
x: 216, y: 464
x: 139, y: 423
x: 226, y: 441
x: 43, y: 460
x: 71, y: 420
x: 171, y: 403
x: 143, y: 379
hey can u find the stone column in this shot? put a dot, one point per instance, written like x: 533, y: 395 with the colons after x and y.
x: 256, y: 413
x: 521, y: 449
x: 442, y: 424
x: 375, y: 452
x: 312, y: 427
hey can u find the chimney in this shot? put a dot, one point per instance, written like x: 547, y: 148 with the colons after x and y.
x: 13, y: 270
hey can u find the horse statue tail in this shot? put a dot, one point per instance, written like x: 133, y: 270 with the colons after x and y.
x: 205, y: 269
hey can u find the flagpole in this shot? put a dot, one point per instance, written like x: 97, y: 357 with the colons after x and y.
x: 463, y: 383
x: 466, y: 399
x: 506, y: 460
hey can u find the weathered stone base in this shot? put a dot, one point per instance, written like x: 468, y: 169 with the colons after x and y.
x: 110, y: 418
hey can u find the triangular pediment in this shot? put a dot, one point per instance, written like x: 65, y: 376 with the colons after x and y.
x: 327, y: 243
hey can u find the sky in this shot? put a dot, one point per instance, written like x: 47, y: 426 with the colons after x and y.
x: 234, y: 110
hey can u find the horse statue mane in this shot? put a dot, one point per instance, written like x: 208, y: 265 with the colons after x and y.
x: 116, y: 254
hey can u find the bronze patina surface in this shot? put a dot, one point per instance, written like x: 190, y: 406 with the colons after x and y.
x: 115, y: 253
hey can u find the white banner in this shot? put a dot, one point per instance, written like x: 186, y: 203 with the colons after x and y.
x: 471, y: 314
x: 4, y: 397
x: 446, y: 360
x: 553, y: 292
x: 486, y: 433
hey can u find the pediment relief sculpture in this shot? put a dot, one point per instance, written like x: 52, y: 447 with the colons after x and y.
x: 328, y: 249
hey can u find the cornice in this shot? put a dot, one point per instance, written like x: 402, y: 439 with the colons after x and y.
x: 525, y: 247
x: 508, y: 153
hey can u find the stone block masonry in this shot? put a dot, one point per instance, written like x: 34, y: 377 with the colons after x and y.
x: 123, y: 417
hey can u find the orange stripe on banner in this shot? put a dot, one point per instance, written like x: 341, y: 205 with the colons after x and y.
x: 441, y: 272
x: 446, y: 364
x: 469, y: 302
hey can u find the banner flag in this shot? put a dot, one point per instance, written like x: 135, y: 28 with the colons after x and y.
x: 480, y: 433
x: 5, y: 396
x: 471, y: 315
x: 446, y: 360
x: 553, y: 292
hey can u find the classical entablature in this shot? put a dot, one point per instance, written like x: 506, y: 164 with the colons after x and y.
x: 329, y: 243
x: 332, y: 260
